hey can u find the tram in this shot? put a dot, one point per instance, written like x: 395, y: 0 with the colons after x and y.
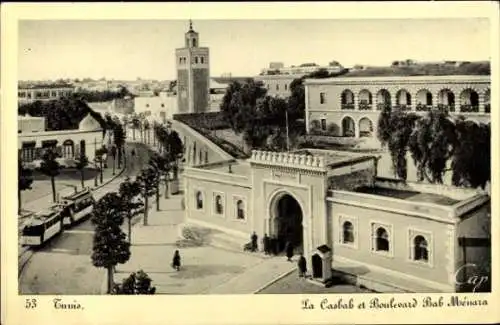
x: 77, y: 206
x: 42, y: 226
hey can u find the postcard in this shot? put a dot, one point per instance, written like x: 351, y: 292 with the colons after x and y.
x: 256, y: 163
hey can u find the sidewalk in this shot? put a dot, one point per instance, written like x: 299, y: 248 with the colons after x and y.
x: 204, y: 270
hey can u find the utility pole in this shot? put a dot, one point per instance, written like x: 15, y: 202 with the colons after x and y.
x: 287, y: 138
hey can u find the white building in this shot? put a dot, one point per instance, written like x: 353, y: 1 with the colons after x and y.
x: 33, y: 139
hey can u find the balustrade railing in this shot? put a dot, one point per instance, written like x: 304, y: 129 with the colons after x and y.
x: 469, y: 108
x: 347, y: 106
x: 364, y: 106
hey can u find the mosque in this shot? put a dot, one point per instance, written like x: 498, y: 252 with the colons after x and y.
x: 385, y: 234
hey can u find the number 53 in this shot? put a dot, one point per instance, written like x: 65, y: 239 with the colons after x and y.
x: 30, y: 303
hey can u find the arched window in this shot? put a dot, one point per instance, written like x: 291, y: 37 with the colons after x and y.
x: 487, y: 98
x: 347, y: 233
x: 218, y: 205
x: 381, y: 240
x: 202, y: 59
x: 194, y: 42
x: 469, y: 101
x: 196, y: 59
x: 277, y: 87
x: 68, y: 149
x: 240, y: 210
x: 365, y: 127
x: 365, y: 100
x: 348, y: 127
x: 199, y: 200
x: 347, y: 99
x: 420, y: 249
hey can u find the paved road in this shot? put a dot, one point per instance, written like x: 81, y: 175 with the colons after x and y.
x: 63, y: 266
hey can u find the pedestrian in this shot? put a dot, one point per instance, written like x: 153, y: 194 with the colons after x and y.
x: 274, y: 246
x: 289, y: 251
x: 254, y: 238
x: 176, y: 261
x: 265, y: 242
x: 302, y: 266
x: 133, y: 153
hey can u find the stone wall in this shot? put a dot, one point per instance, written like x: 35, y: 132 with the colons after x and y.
x: 200, y: 90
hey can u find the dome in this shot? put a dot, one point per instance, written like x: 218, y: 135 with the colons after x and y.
x: 89, y: 124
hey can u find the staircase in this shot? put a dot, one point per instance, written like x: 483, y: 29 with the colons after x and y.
x: 227, y: 241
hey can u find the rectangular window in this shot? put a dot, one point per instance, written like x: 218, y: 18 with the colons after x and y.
x: 323, y: 124
x: 322, y: 98
x: 202, y: 59
x: 277, y: 87
x: 196, y: 59
x: 286, y: 87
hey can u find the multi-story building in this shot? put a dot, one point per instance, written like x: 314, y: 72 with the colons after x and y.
x: 278, y: 85
x: 305, y: 68
x: 193, y: 74
x: 34, y: 92
x: 350, y: 106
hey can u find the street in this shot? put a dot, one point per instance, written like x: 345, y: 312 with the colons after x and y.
x: 63, y: 265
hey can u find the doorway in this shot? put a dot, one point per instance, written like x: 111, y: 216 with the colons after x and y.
x: 287, y: 223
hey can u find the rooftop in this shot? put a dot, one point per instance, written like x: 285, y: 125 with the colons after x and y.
x: 45, y: 86
x: 334, y: 159
x: 408, y: 195
x: 466, y: 68
x: 237, y: 168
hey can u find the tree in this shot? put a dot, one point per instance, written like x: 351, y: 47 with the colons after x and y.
x: 148, y: 180
x: 128, y: 191
x: 136, y: 123
x: 146, y: 128
x: 81, y: 162
x: 137, y: 283
x: 109, y: 244
x: 25, y: 179
x: 161, y: 164
x: 432, y: 144
x: 436, y: 141
x: 471, y: 162
x: 99, y: 155
x: 50, y: 167
x: 113, y: 154
x: 119, y: 140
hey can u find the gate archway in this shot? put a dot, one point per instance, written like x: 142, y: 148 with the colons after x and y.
x: 286, y: 220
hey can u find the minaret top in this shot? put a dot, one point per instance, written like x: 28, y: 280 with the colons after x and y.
x: 191, y: 36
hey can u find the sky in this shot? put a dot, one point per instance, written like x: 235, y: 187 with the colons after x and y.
x: 128, y: 49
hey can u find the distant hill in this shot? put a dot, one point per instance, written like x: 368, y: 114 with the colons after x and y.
x: 466, y: 68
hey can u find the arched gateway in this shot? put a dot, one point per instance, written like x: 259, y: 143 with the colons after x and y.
x: 286, y: 221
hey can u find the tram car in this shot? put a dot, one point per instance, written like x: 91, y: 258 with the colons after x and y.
x: 42, y: 226
x: 76, y: 206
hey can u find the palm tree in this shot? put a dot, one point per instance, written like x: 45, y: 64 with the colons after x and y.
x: 50, y: 167
x: 25, y: 179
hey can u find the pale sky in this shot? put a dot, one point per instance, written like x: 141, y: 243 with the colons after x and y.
x: 127, y: 49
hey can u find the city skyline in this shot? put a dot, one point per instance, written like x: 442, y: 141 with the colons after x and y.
x: 127, y: 50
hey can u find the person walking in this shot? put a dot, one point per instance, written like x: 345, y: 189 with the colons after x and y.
x: 176, y: 261
x: 289, y: 251
x: 254, y: 239
x: 302, y: 266
x: 265, y: 243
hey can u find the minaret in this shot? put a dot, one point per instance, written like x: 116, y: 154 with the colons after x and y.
x: 193, y: 74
